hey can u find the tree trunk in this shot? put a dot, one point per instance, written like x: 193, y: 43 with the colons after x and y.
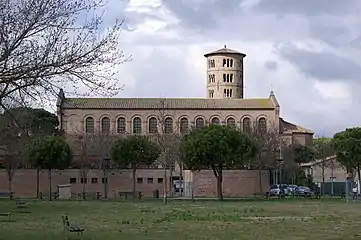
x: 260, y: 180
x: 49, y: 176
x: 219, y: 186
x: 105, y: 176
x: 218, y: 174
x: 171, y: 179
x: 323, y: 179
x: 37, y: 183
x: 359, y: 177
x: 181, y: 179
x: 134, y: 182
x: 84, y: 184
x: 165, y: 186
x: 192, y: 191
x: 10, y: 187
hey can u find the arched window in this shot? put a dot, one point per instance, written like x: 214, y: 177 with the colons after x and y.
x: 89, y: 125
x: 215, y: 121
x: 137, y: 125
x: 105, y: 125
x: 199, y: 122
x: 168, y: 125
x: 231, y: 122
x: 262, y: 125
x: 121, y: 125
x: 246, y: 125
x: 184, y: 126
x: 152, y: 125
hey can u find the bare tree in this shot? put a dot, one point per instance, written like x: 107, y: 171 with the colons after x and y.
x: 12, y: 148
x: 102, y: 143
x: 168, y: 138
x: 268, y: 142
x: 46, y: 45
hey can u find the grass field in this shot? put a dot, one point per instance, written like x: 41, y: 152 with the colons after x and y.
x: 128, y: 220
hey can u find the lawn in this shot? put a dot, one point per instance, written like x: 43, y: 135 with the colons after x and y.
x: 128, y: 220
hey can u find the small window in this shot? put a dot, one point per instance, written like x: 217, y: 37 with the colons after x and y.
x: 231, y: 78
x: 104, y: 180
x: 231, y: 63
x: 224, y: 77
x: 94, y: 180
x: 211, y: 93
x: 224, y: 62
x: 139, y: 180
x: 160, y: 180
x: 150, y: 180
x: 83, y: 180
x: 227, y: 62
x: 72, y: 180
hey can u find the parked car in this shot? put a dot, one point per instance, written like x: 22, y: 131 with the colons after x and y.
x: 291, y: 188
x: 276, y: 189
x: 303, y: 191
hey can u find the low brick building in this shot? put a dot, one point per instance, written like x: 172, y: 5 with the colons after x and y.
x: 235, y: 183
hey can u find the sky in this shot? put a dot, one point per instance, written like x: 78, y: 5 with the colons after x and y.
x: 307, y: 51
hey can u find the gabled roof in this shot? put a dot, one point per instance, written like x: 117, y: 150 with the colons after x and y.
x: 287, y: 127
x: 167, y: 103
x: 224, y: 50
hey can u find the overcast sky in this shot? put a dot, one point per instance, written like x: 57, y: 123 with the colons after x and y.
x: 307, y: 51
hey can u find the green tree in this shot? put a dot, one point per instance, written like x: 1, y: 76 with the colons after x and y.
x: 49, y: 152
x: 347, y: 146
x: 218, y: 148
x: 28, y: 122
x: 302, y: 154
x: 134, y: 152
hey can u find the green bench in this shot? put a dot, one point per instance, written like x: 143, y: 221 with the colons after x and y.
x: 5, y: 214
x: 21, y: 204
x: 68, y: 228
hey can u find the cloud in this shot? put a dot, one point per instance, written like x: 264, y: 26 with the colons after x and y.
x: 307, y: 51
x: 324, y: 66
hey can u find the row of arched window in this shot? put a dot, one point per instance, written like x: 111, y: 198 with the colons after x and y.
x: 168, y: 125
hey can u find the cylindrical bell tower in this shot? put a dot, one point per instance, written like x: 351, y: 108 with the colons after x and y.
x: 225, y: 74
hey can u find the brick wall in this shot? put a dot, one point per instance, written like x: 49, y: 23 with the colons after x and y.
x: 24, y: 181
x: 235, y: 182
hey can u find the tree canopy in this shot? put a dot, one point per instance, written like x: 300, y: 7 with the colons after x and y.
x: 302, y: 154
x: 49, y: 152
x: 31, y: 121
x: 216, y: 147
x: 347, y: 145
x: 134, y: 151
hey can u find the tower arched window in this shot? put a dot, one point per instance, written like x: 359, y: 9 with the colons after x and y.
x: 262, y: 125
x: 231, y: 78
x: 199, y: 122
x: 168, y: 125
x: 231, y: 122
x: 224, y: 62
x: 215, y: 121
x: 152, y: 125
x: 121, y: 125
x: 184, y: 125
x: 105, y: 125
x: 231, y: 63
x: 224, y: 77
x: 246, y: 125
x: 89, y: 125
x: 137, y: 125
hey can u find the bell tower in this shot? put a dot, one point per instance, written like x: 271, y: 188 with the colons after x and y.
x: 225, y: 74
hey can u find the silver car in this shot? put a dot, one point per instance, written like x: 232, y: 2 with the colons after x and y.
x: 276, y: 189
